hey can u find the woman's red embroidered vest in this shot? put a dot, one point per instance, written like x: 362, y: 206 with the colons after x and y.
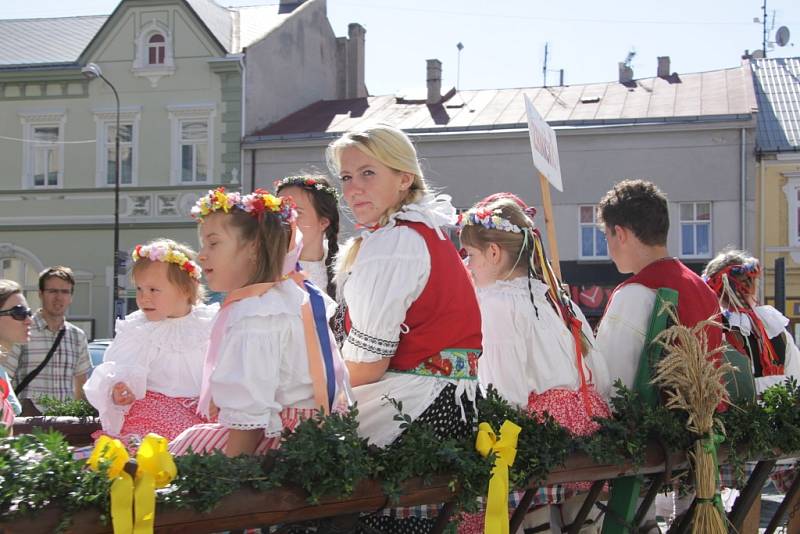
x: 446, y: 314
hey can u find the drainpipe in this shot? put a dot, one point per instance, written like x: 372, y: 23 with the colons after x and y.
x: 243, y: 65
x: 252, y: 169
x: 743, y: 190
x: 762, y: 230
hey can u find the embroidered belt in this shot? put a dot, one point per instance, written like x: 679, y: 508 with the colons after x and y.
x: 453, y: 364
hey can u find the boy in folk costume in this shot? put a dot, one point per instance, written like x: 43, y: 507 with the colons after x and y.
x: 636, y: 221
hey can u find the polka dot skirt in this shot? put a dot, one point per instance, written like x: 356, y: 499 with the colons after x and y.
x: 444, y: 416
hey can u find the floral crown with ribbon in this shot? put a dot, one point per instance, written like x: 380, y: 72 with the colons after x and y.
x: 258, y: 203
x: 165, y: 253
x: 488, y: 218
x: 306, y: 182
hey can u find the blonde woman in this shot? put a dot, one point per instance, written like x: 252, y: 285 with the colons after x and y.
x: 412, y: 321
x: 15, y: 328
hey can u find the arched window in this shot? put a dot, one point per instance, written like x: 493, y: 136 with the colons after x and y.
x: 15, y: 266
x: 156, y: 49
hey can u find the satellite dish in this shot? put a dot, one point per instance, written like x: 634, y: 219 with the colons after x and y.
x: 782, y: 36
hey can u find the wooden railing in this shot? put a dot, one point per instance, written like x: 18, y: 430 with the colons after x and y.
x: 247, y: 508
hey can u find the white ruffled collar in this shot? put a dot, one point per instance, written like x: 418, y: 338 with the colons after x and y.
x: 434, y: 211
x: 179, y: 333
x: 774, y: 321
x: 285, y: 298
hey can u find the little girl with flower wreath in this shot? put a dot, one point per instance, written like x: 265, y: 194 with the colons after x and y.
x: 149, y: 380
x: 272, y: 359
x: 537, y: 345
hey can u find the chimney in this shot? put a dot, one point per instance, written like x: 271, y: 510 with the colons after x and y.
x: 434, y: 80
x: 625, y: 73
x: 356, y: 87
x: 663, y: 67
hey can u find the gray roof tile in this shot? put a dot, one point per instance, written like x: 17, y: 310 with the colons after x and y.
x: 46, y: 41
x: 52, y: 41
x: 720, y: 93
x: 777, y: 87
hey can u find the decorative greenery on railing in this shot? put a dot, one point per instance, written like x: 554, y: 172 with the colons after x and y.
x: 326, y: 457
x: 53, y: 407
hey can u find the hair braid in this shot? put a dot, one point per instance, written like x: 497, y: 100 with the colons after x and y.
x: 332, y: 233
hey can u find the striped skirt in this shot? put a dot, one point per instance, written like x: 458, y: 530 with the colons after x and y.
x: 209, y: 437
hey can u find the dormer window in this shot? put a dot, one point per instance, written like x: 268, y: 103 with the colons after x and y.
x: 154, y: 52
x: 156, y: 49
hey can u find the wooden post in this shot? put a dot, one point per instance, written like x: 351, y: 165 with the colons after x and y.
x: 547, y: 204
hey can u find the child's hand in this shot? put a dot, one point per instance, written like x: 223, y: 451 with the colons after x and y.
x: 122, y: 394
x: 213, y: 411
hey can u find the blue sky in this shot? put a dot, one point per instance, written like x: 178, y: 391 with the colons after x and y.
x: 504, y: 39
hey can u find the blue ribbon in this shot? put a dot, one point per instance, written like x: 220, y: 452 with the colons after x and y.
x: 321, y: 323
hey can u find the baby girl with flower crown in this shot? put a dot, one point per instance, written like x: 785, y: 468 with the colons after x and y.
x: 150, y: 377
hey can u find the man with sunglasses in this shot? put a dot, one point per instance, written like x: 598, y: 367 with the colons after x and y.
x: 52, y: 363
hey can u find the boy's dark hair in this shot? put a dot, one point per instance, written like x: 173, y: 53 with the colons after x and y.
x: 59, y: 271
x: 639, y: 206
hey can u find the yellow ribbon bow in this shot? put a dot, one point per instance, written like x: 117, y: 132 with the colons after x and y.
x: 133, y: 504
x: 505, y: 450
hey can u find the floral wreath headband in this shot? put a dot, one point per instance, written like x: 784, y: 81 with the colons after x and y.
x: 306, y: 182
x: 490, y: 219
x: 750, y: 268
x: 258, y: 203
x: 167, y: 254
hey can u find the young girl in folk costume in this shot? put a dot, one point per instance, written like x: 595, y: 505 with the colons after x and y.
x: 272, y: 360
x: 412, y: 319
x: 15, y: 327
x: 318, y: 219
x: 537, y: 345
x: 758, y: 332
x: 149, y: 380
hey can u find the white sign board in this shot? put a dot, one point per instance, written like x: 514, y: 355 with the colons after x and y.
x: 543, y: 146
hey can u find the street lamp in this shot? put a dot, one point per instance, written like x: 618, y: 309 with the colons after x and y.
x: 92, y: 71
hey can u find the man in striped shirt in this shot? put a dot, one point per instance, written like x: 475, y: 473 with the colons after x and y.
x: 65, y: 373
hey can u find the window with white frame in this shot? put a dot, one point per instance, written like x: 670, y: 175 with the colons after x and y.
x: 192, y: 143
x: 125, y: 154
x: 194, y: 150
x: 106, y: 121
x: 695, y: 221
x: 45, y: 153
x: 156, y: 49
x: 43, y: 149
x: 792, y: 192
x: 593, y: 245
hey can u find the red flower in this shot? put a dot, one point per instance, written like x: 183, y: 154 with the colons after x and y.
x: 188, y: 267
x: 310, y: 181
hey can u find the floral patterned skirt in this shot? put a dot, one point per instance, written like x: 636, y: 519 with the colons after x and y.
x: 158, y: 414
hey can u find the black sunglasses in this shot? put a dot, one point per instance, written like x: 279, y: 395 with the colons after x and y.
x: 18, y: 312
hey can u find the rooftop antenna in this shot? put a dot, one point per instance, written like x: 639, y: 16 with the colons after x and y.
x: 544, y: 68
x: 764, y: 28
x: 782, y: 36
x: 460, y: 47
